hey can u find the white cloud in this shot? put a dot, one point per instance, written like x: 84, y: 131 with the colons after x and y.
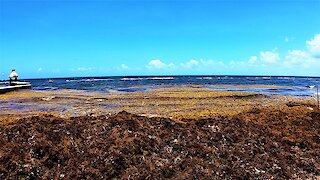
x: 206, y: 62
x: 40, y: 69
x: 193, y: 62
x: 269, y: 56
x: 84, y: 69
x: 305, y: 59
x: 253, y: 59
x: 300, y: 60
x: 158, y: 64
x: 124, y: 66
x: 297, y: 57
x: 293, y: 62
x: 190, y: 64
x: 314, y: 46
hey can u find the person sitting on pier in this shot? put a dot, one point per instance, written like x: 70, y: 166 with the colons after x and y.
x: 13, y: 76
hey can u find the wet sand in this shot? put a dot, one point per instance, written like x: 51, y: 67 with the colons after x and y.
x: 170, y: 133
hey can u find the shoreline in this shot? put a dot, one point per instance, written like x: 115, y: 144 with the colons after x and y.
x: 192, y: 101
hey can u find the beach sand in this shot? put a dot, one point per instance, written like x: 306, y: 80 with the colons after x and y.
x: 185, y: 132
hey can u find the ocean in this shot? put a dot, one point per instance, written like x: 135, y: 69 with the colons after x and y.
x: 297, y: 86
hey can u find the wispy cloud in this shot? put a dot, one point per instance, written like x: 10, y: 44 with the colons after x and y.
x: 190, y: 64
x: 83, y: 69
x: 298, y: 58
x: 124, y: 66
x: 253, y: 59
x: 269, y: 56
x: 314, y: 46
x: 268, y: 62
x: 158, y: 64
x: 288, y: 39
x: 295, y: 60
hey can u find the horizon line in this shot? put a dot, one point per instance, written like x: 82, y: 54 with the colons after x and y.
x: 125, y: 76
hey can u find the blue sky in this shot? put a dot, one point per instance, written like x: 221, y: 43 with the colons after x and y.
x: 102, y: 38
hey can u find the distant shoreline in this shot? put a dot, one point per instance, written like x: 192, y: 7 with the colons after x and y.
x: 76, y: 77
x: 142, y: 76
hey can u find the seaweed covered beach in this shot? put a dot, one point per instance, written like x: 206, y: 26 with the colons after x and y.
x: 165, y: 133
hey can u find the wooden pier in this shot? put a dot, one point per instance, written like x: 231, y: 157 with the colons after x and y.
x: 15, y: 86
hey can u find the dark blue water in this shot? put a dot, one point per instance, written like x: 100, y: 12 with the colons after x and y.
x: 298, y: 86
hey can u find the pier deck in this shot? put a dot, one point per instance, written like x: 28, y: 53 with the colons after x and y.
x: 18, y: 85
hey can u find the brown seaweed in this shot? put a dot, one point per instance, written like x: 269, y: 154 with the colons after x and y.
x: 259, y: 143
